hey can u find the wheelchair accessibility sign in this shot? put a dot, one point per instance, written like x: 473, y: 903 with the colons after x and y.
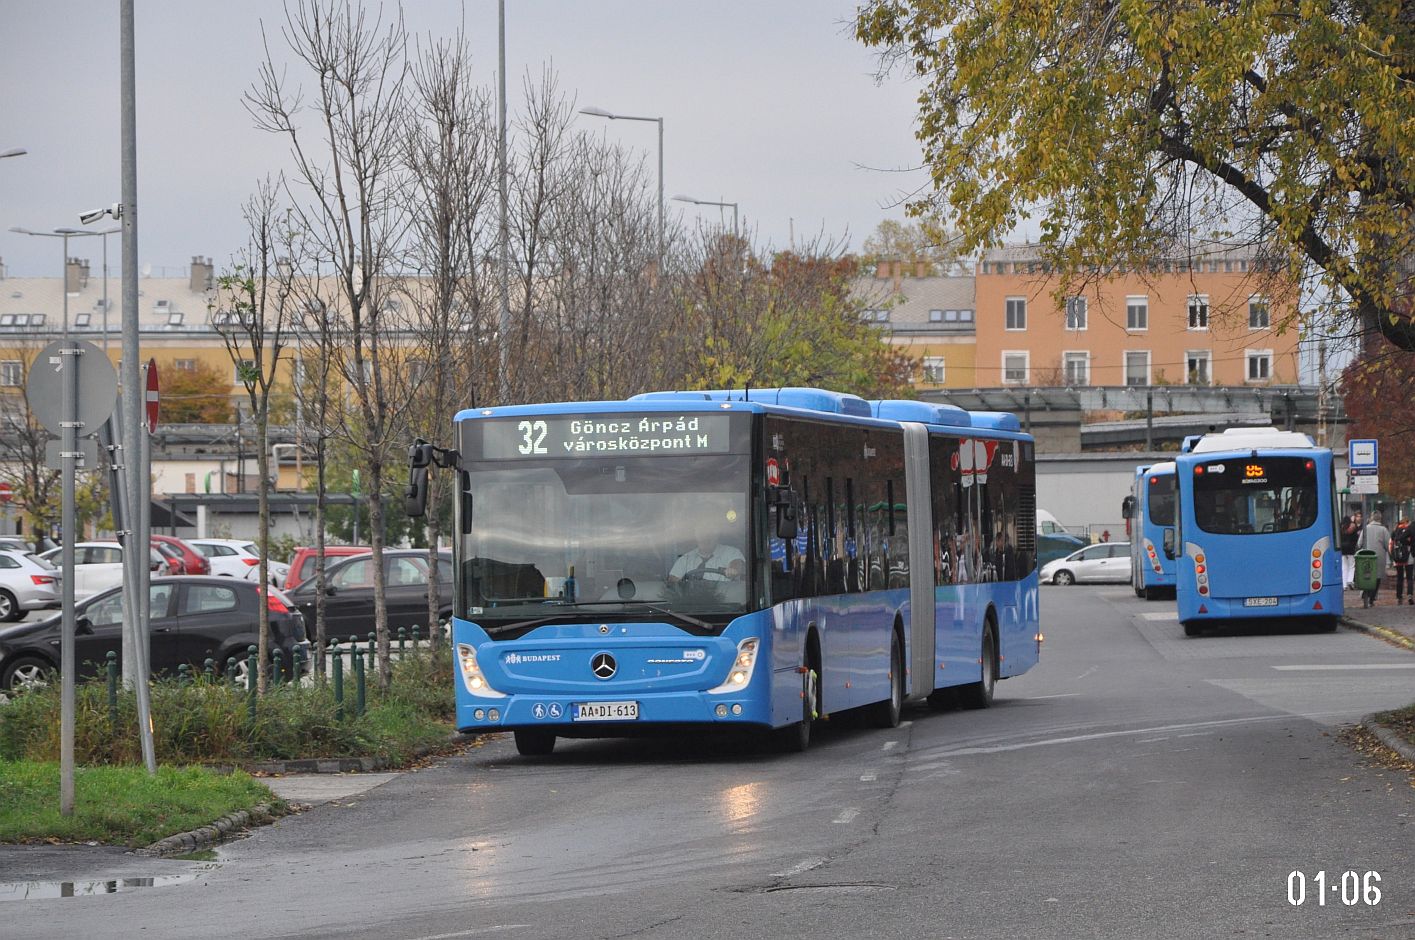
x: 541, y: 711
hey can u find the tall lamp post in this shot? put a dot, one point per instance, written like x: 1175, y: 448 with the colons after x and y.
x: 65, y: 234
x: 601, y: 112
x: 710, y: 202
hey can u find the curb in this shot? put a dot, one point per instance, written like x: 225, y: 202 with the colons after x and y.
x: 1389, y: 738
x: 203, y: 836
x: 1393, y: 637
x: 199, y: 838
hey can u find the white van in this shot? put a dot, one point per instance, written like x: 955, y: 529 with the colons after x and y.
x: 1047, y: 524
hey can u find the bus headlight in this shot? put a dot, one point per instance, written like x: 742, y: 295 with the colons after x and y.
x: 472, y: 676
x: 742, y: 668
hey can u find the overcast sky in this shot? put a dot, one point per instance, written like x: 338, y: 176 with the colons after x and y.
x: 772, y: 105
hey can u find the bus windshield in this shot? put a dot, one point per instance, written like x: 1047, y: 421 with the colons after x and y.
x: 1162, y: 500
x: 553, y: 537
x: 1255, y: 495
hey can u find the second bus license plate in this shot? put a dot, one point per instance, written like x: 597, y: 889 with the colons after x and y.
x: 1260, y: 602
x: 606, y: 711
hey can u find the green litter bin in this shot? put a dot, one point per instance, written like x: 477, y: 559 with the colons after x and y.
x: 1368, y: 573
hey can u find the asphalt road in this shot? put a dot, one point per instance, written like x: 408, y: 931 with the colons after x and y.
x: 1136, y: 784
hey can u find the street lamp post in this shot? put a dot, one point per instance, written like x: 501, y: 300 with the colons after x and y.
x: 65, y: 234
x: 601, y: 112
x: 710, y: 202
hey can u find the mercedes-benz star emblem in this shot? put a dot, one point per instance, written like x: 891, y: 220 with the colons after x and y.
x: 603, y: 666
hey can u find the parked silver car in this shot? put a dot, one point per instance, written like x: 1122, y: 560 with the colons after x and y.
x: 1106, y: 561
x: 26, y: 583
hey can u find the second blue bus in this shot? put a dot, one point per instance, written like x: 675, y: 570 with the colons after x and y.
x: 1149, y: 515
x: 1257, y: 529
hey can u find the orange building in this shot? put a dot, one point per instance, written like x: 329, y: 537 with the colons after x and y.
x: 1218, y: 318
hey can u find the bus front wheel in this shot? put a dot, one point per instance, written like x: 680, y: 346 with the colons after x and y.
x: 796, y: 738
x: 532, y: 743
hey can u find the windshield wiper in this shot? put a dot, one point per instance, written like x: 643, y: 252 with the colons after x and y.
x: 651, y: 608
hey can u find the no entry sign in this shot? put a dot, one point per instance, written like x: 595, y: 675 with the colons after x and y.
x: 153, y: 396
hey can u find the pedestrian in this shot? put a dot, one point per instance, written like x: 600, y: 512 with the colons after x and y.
x: 1375, y: 537
x: 1350, y: 532
x: 1402, y: 555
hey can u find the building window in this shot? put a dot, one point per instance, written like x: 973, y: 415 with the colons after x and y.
x: 1137, y: 313
x: 936, y: 316
x: 12, y: 372
x: 1198, y: 367
x: 184, y: 365
x: 1198, y: 312
x: 1016, y: 313
x: 1075, y: 313
x: 1260, y: 365
x: 36, y: 319
x: 1258, y: 317
x: 1137, y: 367
x: 83, y: 320
x: 965, y: 316
x: 7, y: 319
x: 881, y: 316
x: 933, y: 370
x: 174, y: 318
x: 1014, y: 367
x: 1076, y: 366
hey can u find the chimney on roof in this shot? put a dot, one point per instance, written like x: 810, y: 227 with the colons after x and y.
x: 75, y: 275
x: 2, y: 269
x: 200, y: 281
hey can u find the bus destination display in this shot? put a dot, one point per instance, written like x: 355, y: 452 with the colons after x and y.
x: 606, y: 436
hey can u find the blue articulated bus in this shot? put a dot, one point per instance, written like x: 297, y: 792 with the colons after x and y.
x: 1257, y: 525
x: 757, y: 559
x: 1149, y: 513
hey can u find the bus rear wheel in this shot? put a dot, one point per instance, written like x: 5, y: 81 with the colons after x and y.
x: 1193, y: 629
x: 532, y: 743
x: 979, y: 694
x: 886, y: 714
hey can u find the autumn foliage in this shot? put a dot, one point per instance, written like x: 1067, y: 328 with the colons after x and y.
x: 1379, y: 395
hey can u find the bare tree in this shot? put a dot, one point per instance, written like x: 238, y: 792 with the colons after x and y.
x: 348, y: 163
x: 252, y: 308
x: 450, y: 153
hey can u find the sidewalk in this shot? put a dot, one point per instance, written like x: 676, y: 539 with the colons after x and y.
x: 1398, y: 619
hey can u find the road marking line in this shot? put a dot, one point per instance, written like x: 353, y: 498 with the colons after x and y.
x: 1195, y: 734
x: 800, y: 868
x: 1033, y: 698
x: 1330, y: 667
x: 1152, y: 740
x: 890, y: 744
x: 1088, y: 671
x: 1076, y: 738
x: 848, y: 816
x: 475, y: 931
x: 867, y: 778
x: 1160, y: 615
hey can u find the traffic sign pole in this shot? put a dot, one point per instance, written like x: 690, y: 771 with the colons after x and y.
x: 69, y: 424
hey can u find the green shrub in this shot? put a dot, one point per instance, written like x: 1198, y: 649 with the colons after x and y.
x: 209, y: 721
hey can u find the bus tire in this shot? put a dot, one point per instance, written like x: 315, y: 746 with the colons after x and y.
x: 533, y: 743
x: 1327, y: 624
x: 1191, y: 628
x: 979, y: 694
x: 886, y: 714
x: 796, y: 738
x: 1149, y: 593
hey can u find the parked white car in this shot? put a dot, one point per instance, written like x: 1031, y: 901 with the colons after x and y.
x: 26, y: 583
x: 98, y: 566
x: 238, y: 558
x: 1104, y: 561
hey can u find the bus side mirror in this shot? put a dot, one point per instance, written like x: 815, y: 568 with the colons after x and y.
x: 1127, y: 508
x: 787, y: 513
x: 419, y: 459
x: 1169, y: 543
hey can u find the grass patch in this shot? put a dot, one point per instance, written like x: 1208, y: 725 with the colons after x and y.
x: 208, y: 720
x: 1401, y: 721
x: 118, y: 805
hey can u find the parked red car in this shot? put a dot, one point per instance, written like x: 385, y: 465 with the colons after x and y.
x: 192, y: 560
x: 302, y: 562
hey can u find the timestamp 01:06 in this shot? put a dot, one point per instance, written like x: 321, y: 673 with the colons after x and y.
x: 1351, y: 887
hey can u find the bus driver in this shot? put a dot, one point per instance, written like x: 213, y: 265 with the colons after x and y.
x: 710, y: 561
